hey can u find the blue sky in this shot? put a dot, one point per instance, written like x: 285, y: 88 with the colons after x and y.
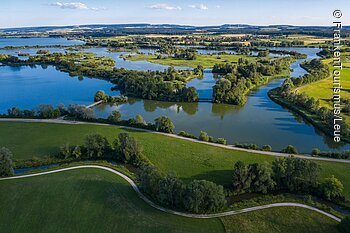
x: 18, y: 13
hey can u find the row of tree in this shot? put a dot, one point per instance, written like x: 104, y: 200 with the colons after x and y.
x: 198, y: 196
x: 96, y: 146
x: 290, y: 174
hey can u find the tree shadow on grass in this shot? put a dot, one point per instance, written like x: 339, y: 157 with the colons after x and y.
x: 221, y: 177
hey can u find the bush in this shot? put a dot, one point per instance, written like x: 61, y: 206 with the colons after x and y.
x: 332, y: 189
x: 203, y: 196
x: 81, y: 112
x: 186, y: 135
x: 315, y: 151
x: 6, y: 164
x: 221, y: 141
x: 203, y: 136
x: 128, y: 150
x: 290, y: 150
x: 164, y: 124
x: 96, y: 146
x: 266, y: 148
x: 115, y: 116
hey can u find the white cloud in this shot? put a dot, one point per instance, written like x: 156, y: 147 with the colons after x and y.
x: 165, y: 7
x: 199, y: 7
x: 74, y: 6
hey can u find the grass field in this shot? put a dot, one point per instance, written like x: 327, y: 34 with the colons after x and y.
x: 93, y: 200
x: 189, y: 160
x: 206, y: 60
x: 323, y: 90
x: 85, y: 200
x: 278, y: 220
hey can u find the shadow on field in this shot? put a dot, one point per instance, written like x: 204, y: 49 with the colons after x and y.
x: 221, y: 177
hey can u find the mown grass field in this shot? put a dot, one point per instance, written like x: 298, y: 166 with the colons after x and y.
x: 188, y: 159
x: 276, y: 220
x: 86, y: 200
x: 206, y: 60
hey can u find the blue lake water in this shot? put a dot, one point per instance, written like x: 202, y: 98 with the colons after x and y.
x: 259, y: 121
x: 37, y: 41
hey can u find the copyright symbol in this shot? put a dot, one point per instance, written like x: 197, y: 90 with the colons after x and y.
x: 337, y: 14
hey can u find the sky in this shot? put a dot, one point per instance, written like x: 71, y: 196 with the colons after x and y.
x: 22, y: 13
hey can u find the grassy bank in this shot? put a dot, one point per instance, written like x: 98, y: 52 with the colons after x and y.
x: 323, y: 90
x: 188, y: 159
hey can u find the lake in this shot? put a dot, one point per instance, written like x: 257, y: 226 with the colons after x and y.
x: 259, y: 121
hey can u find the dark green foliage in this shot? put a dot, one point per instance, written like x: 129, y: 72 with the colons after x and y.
x: 254, y: 178
x: 164, y: 124
x: 203, y: 136
x: 6, y: 164
x: 81, y: 112
x: 203, y: 196
x: 186, y: 135
x: 290, y: 150
x: 100, y: 95
x: 266, y: 148
x: 239, y: 79
x: 96, y: 146
x: 332, y: 189
x: 315, y: 151
x: 197, y: 196
x: 128, y: 150
x: 115, y: 116
x: 221, y: 141
x: 295, y: 175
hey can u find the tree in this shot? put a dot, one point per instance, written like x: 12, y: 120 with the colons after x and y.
x: 221, y: 141
x: 6, y: 164
x: 96, y: 146
x: 203, y: 136
x: 100, y: 95
x: 240, y: 181
x: 171, y: 190
x: 266, y: 148
x: 332, y: 188
x: 290, y: 150
x: 260, y: 178
x: 164, y: 124
x: 295, y: 174
x: 203, y: 196
x: 139, y: 120
x: 149, y: 178
x: 115, y: 116
x: 76, y: 153
x: 65, y: 151
x: 344, y: 225
x: 128, y: 150
x: 315, y: 151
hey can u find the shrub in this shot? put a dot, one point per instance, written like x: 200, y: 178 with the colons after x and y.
x: 203, y: 136
x: 164, y: 124
x: 315, y: 151
x: 332, y: 188
x: 266, y: 148
x: 221, y: 141
x: 115, y: 116
x: 6, y: 164
x: 290, y: 150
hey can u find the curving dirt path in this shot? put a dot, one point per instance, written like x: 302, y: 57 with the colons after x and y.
x: 200, y: 216
x: 230, y: 147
